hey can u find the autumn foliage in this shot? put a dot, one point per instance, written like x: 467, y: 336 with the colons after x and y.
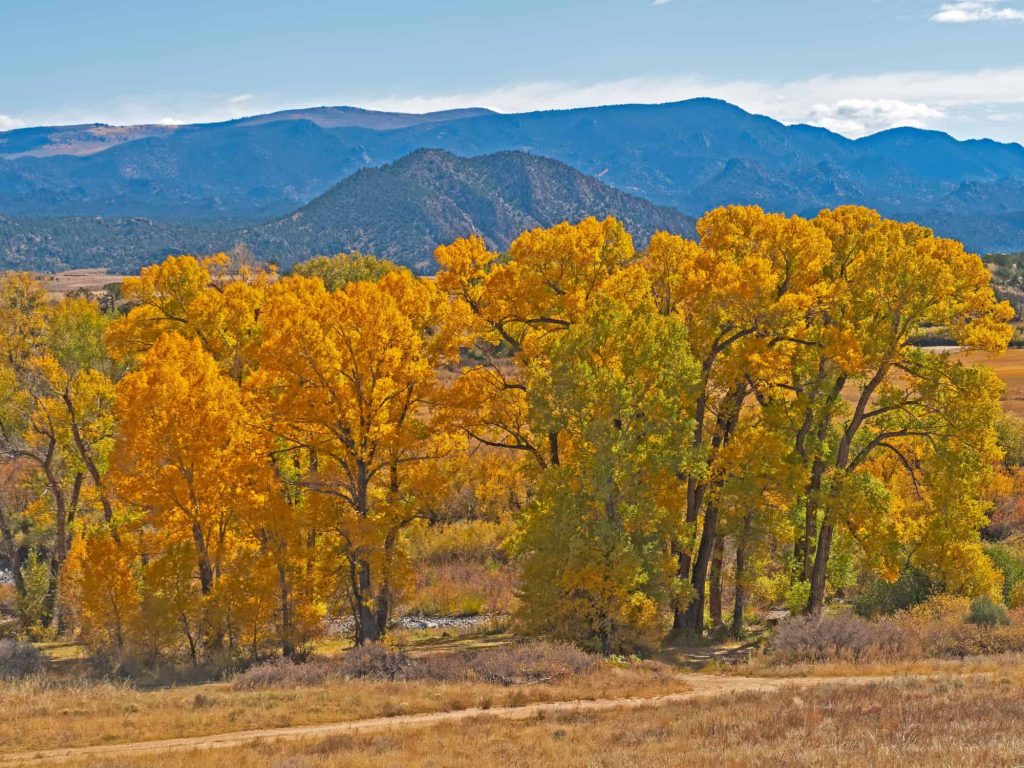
x: 235, y: 454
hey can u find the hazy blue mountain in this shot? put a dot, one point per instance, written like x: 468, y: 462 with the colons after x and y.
x: 690, y: 155
x: 353, y: 117
x: 401, y: 211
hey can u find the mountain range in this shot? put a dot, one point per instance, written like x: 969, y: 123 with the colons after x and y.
x: 251, y: 175
x: 400, y: 211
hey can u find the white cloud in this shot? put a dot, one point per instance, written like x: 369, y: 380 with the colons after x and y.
x: 10, y: 123
x: 856, y: 117
x: 661, y: 2
x: 966, y: 11
x: 241, y: 98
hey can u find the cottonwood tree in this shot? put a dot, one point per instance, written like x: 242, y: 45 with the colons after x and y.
x: 56, y: 395
x: 184, y: 453
x: 741, y: 292
x: 617, y: 388
x: 518, y: 306
x: 347, y: 378
x: 884, y: 284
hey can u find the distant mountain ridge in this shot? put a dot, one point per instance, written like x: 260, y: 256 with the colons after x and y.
x: 692, y: 156
x: 404, y: 210
x: 401, y: 211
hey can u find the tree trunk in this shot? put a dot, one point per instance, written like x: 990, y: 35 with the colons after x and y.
x: 203, y: 558
x: 693, y: 620
x: 368, y: 629
x: 726, y: 423
x: 715, y: 588
x: 287, y: 644
x: 817, y: 599
x: 740, y: 601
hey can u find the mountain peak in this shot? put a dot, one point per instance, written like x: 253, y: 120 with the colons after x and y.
x: 405, y: 209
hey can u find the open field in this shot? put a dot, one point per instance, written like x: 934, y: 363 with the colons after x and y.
x: 1008, y: 367
x: 39, y: 713
x: 60, y: 284
x: 961, y: 721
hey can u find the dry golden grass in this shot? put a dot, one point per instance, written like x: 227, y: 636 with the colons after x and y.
x: 935, y: 723
x: 59, y: 284
x: 36, y: 713
x: 1010, y: 369
x: 761, y: 666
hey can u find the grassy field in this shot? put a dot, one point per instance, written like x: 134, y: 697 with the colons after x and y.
x: 60, y: 284
x: 945, y: 722
x: 1010, y: 369
x: 40, y: 713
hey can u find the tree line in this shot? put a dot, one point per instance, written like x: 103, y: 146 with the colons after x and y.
x: 229, y: 455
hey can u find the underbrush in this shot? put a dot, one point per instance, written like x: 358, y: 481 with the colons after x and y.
x: 940, y: 628
x: 461, y: 569
x: 18, y: 660
x: 517, y: 664
x: 841, y: 638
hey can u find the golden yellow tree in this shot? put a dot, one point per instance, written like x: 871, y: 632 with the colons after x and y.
x: 517, y: 307
x: 742, y: 293
x: 184, y: 452
x: 203, y: 299
x: 347, y: 378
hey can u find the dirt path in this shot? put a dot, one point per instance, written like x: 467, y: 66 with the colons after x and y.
x: 700, y: 686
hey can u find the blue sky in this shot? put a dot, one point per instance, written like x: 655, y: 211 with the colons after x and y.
x: 855, y: 66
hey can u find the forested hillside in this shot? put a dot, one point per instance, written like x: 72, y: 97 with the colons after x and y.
x: 401, y: 211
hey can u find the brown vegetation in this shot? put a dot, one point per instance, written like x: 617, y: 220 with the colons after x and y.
x: 38, y: 713
x: 934, y: 723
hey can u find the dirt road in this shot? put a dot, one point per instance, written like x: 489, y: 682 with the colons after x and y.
x: 699, y: 686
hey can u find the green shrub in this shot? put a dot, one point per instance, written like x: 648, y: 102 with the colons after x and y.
x: 1010, y: 562
x: 985, y: 612
x: 883, y: 598
x: 797, y: 596
x: 32, y: 605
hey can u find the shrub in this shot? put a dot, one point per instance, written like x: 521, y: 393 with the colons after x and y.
x: 842, y: 638
x: 942, y: 609
x: 985, y: 612
x: 964, y: 640
x: 375, y: 661
x: 530, y: 663
x: 32, y: 605
x: 1010, y: 563
x: 883, y: 598
x: 519, y: 664
x: 797, y: 596
x: 1016, y: 598
x: 478, y: 541
x: 462, y: 589
x: 282, y: 673
x: 18, y: 660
